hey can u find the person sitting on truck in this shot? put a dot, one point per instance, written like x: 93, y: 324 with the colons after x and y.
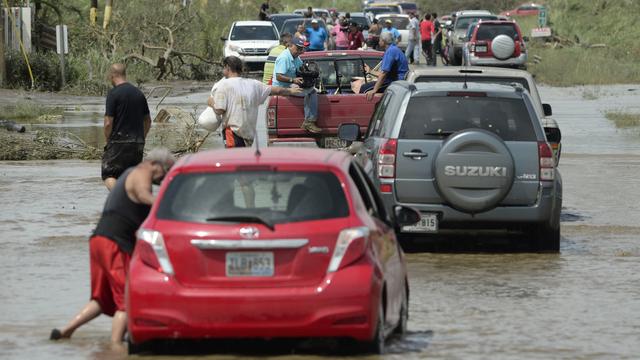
x: 394, y: 67
x: 285, y: 74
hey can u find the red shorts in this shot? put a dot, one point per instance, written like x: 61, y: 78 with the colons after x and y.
x: 109, y: 268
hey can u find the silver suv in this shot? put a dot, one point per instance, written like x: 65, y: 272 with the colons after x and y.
x: 469, y: 156
x: 457, y: 32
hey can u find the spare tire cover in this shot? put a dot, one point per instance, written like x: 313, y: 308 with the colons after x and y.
x: 502, y: 47
x: 474, y: 170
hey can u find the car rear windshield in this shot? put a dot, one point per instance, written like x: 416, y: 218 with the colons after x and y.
x: 433, y: 117
x: 464, y: 22
x: 253, y: 33
x: 477, y: 79
x: 382, y: 10
x: 362, y: 22
x: 490, y: 31
x: 275, y: 196
x: 348, y: 70
x: 399, y: 23
x: 409, y: 6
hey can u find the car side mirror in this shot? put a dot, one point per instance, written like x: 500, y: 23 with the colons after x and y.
x: 349, y: 132
x: 405, y: 216
x: 547, y: 109
x: 223, y: 38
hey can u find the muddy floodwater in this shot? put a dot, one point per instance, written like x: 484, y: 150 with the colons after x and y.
x: 583, y: 303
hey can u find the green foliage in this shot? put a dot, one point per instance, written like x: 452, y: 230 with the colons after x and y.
x: 27, y: 110
x: 45, y: 67
x: 623, y: 119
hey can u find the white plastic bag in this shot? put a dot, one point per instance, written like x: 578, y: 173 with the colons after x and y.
x: 208, y: 119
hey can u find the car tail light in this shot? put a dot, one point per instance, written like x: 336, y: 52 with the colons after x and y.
x: 153, y: 252
x: 351, y: 245
x: 271, y: 117
x: 387, y: 159
x: 547, y: 163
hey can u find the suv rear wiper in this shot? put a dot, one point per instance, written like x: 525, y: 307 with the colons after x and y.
x: 243, y: 218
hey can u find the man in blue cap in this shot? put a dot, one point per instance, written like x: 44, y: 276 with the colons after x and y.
x: 284, y: 75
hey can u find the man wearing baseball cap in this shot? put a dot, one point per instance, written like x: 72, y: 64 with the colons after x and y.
x: 388, y: 27
x: 285, y: 74
x: 317, y: 36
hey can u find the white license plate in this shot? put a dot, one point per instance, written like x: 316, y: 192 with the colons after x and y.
x: 428, y: 223
x: 249, y: 264
x: 334, y: 143
x: 482, y: 48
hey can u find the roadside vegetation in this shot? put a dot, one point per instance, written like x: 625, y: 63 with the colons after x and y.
x: 28, y: 110
x: 623, y: 119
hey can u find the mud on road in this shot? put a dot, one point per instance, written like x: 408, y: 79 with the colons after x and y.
x: 582, y: 303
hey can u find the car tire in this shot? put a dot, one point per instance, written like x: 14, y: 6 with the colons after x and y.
x: 377, y: 344
x: 401, y: 329
x: 546, y: 238
x: 133, y: 348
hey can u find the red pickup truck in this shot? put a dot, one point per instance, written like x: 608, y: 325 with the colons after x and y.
x: 336, y: 101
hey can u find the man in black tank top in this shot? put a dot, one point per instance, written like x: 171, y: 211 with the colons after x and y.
x: 126, y: 124
x: 113, y: 240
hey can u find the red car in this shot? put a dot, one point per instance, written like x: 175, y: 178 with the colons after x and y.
x: 526, y: 9
x: 495, y: 43
x: 337, y: 103
x: 283, y: 244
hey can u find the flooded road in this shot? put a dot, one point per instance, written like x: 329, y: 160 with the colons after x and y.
x: 583, y: 303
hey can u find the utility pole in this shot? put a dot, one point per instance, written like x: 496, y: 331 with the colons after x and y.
x: 3, y: 69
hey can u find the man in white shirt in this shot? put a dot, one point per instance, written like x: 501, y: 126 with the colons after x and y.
x: 413, y: 47
x: 236, y: 101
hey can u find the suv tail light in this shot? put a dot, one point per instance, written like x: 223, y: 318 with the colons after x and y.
x: 271, y: 117
x: 153, y: 252
x: 351, y: 246
x: 547, y: 163
x: 387, y: 159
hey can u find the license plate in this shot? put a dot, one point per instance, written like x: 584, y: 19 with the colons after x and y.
x: 427, y: 223
x: 249, y: 263
x: 334, y: 143
x: 482, y: 48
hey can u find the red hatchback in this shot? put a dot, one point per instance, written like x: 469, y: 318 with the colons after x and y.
x: 292, y: 243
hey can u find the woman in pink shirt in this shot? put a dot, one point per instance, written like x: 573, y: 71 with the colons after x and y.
x: 341, y: 34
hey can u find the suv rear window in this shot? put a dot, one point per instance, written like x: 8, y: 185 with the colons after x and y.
x: 490, y: 31
x: 278, y: 197
x: 477, y: 79
x: 432, y: 117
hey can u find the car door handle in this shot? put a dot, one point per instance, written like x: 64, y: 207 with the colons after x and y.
x: 334, y: 100
x: 415, y: 154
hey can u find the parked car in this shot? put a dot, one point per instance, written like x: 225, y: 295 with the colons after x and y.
x: 408, y: 7
x: 291, y: 25
x: 470, y: 156
x: 457, y: 32
x: 336, y: 101
x: 317, y: 13
x: 277, y: 244
x: 495, y: 43
x: 497, y: 76
x: 251, y: 41
x: 400, y: 22
x: 526, y: 9
x: 372, y: 12
x: 362, y: 20
x: 279, y: 19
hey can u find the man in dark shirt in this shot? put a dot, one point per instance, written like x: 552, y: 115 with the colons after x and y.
x: 112, y: 243
x: 126, y: 124
x: 437, y: 36
x: 264, y: 11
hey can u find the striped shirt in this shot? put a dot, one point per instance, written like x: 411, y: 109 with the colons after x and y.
x: 269, y: 65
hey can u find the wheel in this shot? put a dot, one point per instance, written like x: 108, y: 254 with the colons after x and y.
x: 376, y: 344
x: 135, y: 348
x: 401, y: 329
x: 547, y: 238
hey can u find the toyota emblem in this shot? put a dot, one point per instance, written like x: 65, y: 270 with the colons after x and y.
x: 249, y: 232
